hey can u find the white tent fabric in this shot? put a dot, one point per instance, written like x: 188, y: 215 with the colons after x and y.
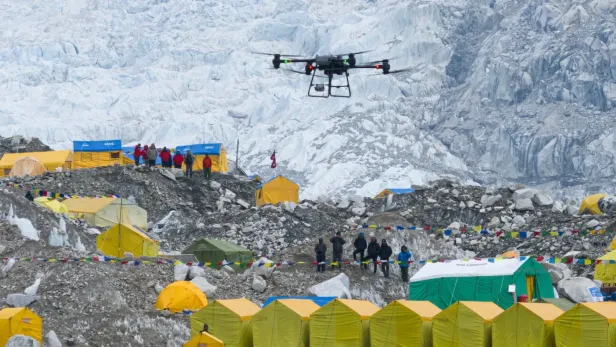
x: 468, y: 268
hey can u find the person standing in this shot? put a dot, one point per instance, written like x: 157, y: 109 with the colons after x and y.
x: 373, y: 251
x: 384, y: 253
x: 360, y: 245
x: 403, y: 257
x: 189, y: 161
x: 207, y: 167
x: 144, y: 154
x: 320, y: 250
x: 152, y: 154
x: 137, y: 154
x: 178, y: 159
x: 337, y: 243
x: 165, y: 157
x: 29, y: 196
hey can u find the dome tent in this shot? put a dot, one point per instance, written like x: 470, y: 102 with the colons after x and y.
x: 20, y: 321
x: 27, y: 166
x: 181, y: 296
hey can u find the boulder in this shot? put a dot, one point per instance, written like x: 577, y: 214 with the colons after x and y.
x: 470, y: 204
x: 337, y: 286
x: 541, y: 199
x: 558, y: 272
x: 204, y: 285
x: 22, y: 341
x: 462, y: 204
x: 2, y: 248
x: 558, y: 207
x: 158, y: 288
x: 167, y: 174
x: 20, y: 300
x: 289, y: 206
x: 228, y: 269
x: 176, y: 172
x: 494, y: 223
x: 522, y: 194
x: 524, y: 205
x: 260, y: 267
x: 180, y: 272
x: 215, y: 185
x: 33, y: 288
x: 243, y: 203
x: 52, y: 340
x: 344, y: 204
x: 358, y: 211
x: 258, y: 284
x: 519, y: 221
x: 489, y: 200
x: 229, y: 194
x: 577, y: 289
x: 572, y: 210
x: 591, y: 224
x: 195, y: 271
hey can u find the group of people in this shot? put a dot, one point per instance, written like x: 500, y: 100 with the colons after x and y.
x: 150, y: 154
x: 372, y: 251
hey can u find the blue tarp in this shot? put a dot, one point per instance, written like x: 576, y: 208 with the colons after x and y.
x: 319, y: 300
x: 201, y: 149
x: 401, y: 190
x: 97, y: 146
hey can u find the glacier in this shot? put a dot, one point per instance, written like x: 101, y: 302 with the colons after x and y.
x: 524, y: 92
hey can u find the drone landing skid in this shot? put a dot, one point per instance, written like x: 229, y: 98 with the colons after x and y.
x: 321, y: 88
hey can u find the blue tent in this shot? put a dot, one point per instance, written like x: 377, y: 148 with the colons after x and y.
x: 397, y: 191
x: 97, y: 146
x: 201, y: 149
x: 319, y: 300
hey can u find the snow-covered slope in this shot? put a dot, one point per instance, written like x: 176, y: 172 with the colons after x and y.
x: 484, y: 95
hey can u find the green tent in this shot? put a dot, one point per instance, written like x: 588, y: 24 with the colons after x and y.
x: 446, y: 283
x: 562, y: 303
x: 214, y: 251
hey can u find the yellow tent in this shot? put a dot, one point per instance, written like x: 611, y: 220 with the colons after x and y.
x: 510, y: 254
x: 590, y: 204
x: 106, y: 212
x: 606, y: 273
x: 181, y: 296
x: 525, y: 324
x: 613, y: 244
x: 342, y: 323
x: 216, y: 151
x: 588, y: 324
x: 394, y: 191
x: 52, y: 205
x: 465, y: 324
x: 204, y: 340
x: 403, y: 323
x: 283, y: 323
x: 89, y: 154
x: 50, y: 161
x: 123, y: 238
x: 20, y: 321
x: 228, y: 320
x: 277, y: 190
x: 27, y: 166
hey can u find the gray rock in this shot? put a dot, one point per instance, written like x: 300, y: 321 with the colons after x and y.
x: 489, y: 200
x: 176, y: 172
x: 158, y: 288
x: 576, y: 289
x: 204, y: 285
x: 344, y: 204
x: 431, y: 201
x: 289, y: 206
x: 258, y: 283
x: 167, y: 174
x: 541, y: 199
x: 470, y: 204
x: 558, y: 272
x: 243, y: 203
x: 524, y: 205
x: 519, y: 221
x: 195, y: 271
x: 228, y: 269
x: 358, y: 211
x: 52, y: 340
x: 2, y: 248
x: 229, y: 194
x: 572, y: 210
x: 462, y: 204
x: 20, y: 300
x: 215, y: 185
x: 22, y: 341
x: 522, y: 194
x: 558, y: 206
x: 494, y: 223
x: 592, y: 223
x: 180, y: 272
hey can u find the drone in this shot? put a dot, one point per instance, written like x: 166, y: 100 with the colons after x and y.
x: 331, y: 65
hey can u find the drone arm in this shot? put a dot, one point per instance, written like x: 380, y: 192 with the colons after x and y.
x: 378, y: 67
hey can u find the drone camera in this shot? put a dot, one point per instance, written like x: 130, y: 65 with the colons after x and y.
x: 319, y: 87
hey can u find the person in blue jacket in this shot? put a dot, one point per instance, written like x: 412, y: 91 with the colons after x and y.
x: 403, y: 257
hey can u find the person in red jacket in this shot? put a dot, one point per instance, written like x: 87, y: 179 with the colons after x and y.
x: 137, y: 154
x: 165, y: 157
x: 178, y: 159
x: 207, y: 167
x: 144, y: 154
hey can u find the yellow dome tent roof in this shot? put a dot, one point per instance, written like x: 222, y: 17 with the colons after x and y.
x: 27, y: 166
x: 283, y: 323
x: 606, y: 273
x: 181, y: 296
x: 51, y: 204
x: 525, y: 324
x: 204, y: 340
x: 590, y: 204
x: 342, y: 322
x: 123, y: 238
x: 20, y: 321
x: 228, y: 320
x: 277, y: 190
x: 50, y: 160
x: 465, y: 323
x: 587, y: 324
x: 403, y: 322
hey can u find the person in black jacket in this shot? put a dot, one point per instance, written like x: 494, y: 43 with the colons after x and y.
x: 373, y: 251
x: 320, y: 250
x: 384, y: 253
x: 337, y: 242
x: 29, y: 196
x: 360, y: 247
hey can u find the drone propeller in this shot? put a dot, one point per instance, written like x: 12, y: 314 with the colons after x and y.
x: 380, y: 61
x: 277, y: 54
x: 398, y: 71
